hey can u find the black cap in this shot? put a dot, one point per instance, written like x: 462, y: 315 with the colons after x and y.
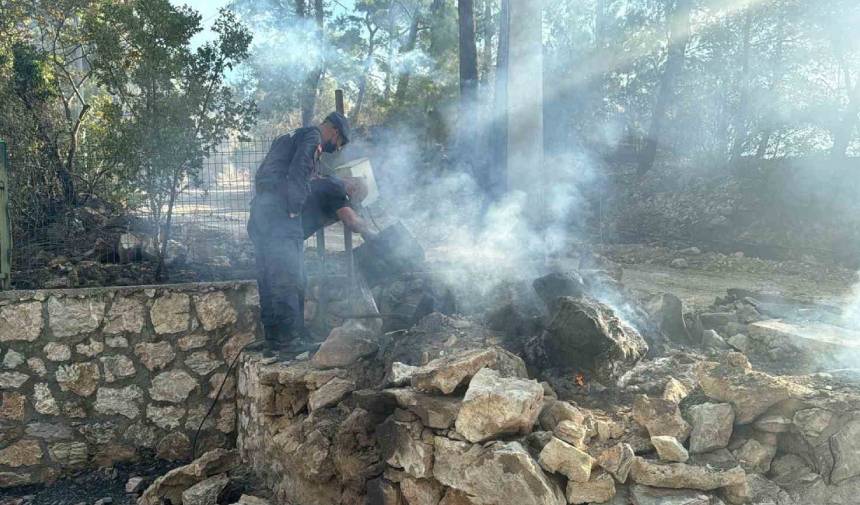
x: 341, y: 123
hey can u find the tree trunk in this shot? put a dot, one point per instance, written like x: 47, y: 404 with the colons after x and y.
x: 487, y: 31
x: 496, y: 174
x: 469, y: 132
x: 362, y: 83
x: 845, y: 131
x: 679, y: 36
x: 406, y: 73
x: 310, y: 88
x: 739, y: 125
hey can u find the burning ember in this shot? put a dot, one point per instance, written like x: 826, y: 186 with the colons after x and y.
x: 580, y: 380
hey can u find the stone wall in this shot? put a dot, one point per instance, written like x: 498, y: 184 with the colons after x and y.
x: 95, y: 376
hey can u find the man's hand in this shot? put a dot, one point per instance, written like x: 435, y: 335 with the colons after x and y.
x: 353, y: 221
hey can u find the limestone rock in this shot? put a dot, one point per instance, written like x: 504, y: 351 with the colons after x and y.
x: 501, y: 472
x: 206, y: 492
x: 437, y: 412
x: 812, y: 422
x: 454, y: 497
x: 79, y: 378
x: 383, y: 492
x: 669, y: 449
x: 773, y: 423
x: 48, y: 431
x: 57, y: 352
x: 750, y: 393
x: 116, y: 342
x: 12, y: 406
x: 166, y: 418
x: 561, y: 457
x: 68, y: 317
x: 69, y: 454
x: 446, y: 374
x: 141, y: 434
x: 12, y: 359
x: 214, y: 310
x: 12, y: 380
x: 555, y: 285
x: 21, y: 321
x: 675, y: 391
x: 660, y: 417
x: 600, y: 489
x: 171, y: 485
x: 202, y: 362
x: 712, y: 426
x: 754, y: 456
x: 846, y: 452
x: 555, y: 412
x: 155, y: 355
x: 44, y: 401
x: 330, y: 393
x: 421, y: 491
x: 171, y: 313
x: 173, y: 386
x: 573, y: 433
x: 228, y: 392
x: 587, y: 335
x: 226, y: 421
x: 252, y: 500
x: 25, y: 452
x: 231, y: 349
x: 401, y: 446
x: 644, y: 495
x: 122, y: 401
x: 401, y: 374
x: 617, y: 460
x: 189, y: 342
x: 683, y: 476
x: 134, y: 485
x: 124, y: 316
x: 495, y: 406
x: 174, y: 446
x: 117, y: 367
x: 344, y: 346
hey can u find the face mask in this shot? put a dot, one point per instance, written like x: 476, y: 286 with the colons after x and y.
x: 329, y: 147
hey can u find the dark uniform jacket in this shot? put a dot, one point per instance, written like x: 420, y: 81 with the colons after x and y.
x: 289, y: 166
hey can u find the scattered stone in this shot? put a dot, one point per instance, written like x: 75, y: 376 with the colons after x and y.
x: 845, y: 445
x: 669, y: 449
x: 90, y: 349
x: 125, y: 316
x: 617, y: 460
x: 494, y: 406
x: 679, y: 263
x: 401, y: 374
x: 79, y: 378
x: 214, y: 310
x: 37, y: 366
x: 501, y: 472
x: 401, y: 446
x: 561, y: 457
x: 57, y: 352
x: 44, y: 401
x: 252, y: 500
x: 711, y: 320
x: 173, y: 386
x: 446, y: 374
x: 750, y: 393
x: 675, y: 391
x: 117, y: 367
x: 600, y: 489
x: 344, y: 346
x: 421, y: 491
x: 122, y: 401
x: 740, y: 342
x: 21, y: 322
x: 156, y: 355
x: 573, y: 433
x: 812, y: 422
x: 554, y: 412
x: 171, y: 313
x: 206, y: 492
x: 25, y: 452
x: 712, y: 339
x: 437, y: 412
x: 754, y: 456
x: 202, y: 362
x: 69, y: 454
x: 68, y: 317
x: 712, y: 426
x: 644, y: 495
x: 774, y: 423
x: 586, y: 334
x: 12, y: 359
x: 330, y: 393
x: 104, y: 501
x: 660, y: 417
x: 683, y: 476
x: 174, y: 446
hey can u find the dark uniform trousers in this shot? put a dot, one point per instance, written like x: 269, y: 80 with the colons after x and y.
x: 279, y: 250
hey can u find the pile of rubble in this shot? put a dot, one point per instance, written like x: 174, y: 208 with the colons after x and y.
x: 587, y: 410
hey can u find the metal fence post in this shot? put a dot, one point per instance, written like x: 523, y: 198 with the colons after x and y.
x: 5, y: 222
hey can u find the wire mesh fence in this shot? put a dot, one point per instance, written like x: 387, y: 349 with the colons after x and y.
x: 112, y: 232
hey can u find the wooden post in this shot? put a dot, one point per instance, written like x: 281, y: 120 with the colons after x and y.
x: 5, y: 224
x: 347, y: 233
